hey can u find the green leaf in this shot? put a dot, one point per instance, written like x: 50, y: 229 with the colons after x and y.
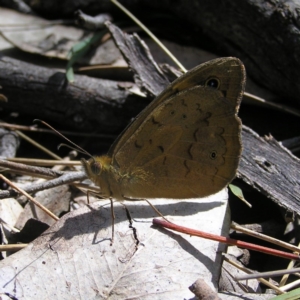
x: 239, y: 193
x: 79, y: 50
x: 292, y: 295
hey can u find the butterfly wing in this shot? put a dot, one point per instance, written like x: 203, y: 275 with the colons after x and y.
x: 186, y: 143
x: 229, y: 71
x: 189, y: 146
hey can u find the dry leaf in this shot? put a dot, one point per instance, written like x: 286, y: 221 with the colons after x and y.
x: 73, y: 259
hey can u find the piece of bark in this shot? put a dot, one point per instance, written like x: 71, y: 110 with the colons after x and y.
x: 147, y: 74
x: 203, y: 291
x: 18, y: 5
x: 271, y: 169
x: 91, y: 23
x: 88, y: 104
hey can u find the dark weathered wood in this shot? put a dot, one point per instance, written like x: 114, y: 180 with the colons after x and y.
x: 147, y: 75
x: 271, y: 169
x: 264, y: 34
x: 88, y: 104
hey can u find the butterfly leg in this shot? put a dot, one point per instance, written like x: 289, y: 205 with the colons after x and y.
x: 153, y: 207
x: 88, y: 197
x: 112, y: 221
x: 157, y: 211
x: 112, y: 215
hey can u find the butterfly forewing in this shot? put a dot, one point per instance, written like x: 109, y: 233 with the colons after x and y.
x: 180, y: 150
x: 230, y: 72
x: 185, y: 144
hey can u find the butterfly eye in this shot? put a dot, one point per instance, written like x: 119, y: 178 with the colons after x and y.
x: 213, y: 83
x: 96, y: 168
x: 213, y: 155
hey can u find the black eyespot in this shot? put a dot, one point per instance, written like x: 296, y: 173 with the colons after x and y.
x: 172, y: 112
x: 96, y: 167
x: 213, y: 155
x: 213, y: 83
x: 184, y: 116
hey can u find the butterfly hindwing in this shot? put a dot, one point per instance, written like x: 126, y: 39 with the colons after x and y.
x: 180, y: 150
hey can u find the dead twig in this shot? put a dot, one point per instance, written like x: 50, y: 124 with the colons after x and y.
x: 43, y: 208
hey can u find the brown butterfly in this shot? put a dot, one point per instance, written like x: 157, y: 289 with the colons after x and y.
x: 185, y: 144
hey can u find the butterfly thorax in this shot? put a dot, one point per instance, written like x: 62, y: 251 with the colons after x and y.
x: 98, y: 169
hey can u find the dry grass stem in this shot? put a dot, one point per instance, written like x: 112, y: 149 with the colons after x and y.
x: 39, y: 146
x: 47, y: 211
x: 30, y: 170
x: 266, y: 238
x: 248, y: 271
x: 12, y: 247
x: 45, y: 162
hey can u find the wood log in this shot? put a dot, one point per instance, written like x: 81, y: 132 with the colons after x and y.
x: 88, y: 104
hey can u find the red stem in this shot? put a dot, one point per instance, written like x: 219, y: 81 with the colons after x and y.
x: 225, y: 240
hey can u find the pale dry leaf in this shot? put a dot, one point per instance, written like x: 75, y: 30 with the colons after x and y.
x: 56, y: 199
x: 36, y: 35
x: 10, y: 210
x: 73, y: 259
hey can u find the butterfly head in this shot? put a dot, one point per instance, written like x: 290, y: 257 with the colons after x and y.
x: 96, y: 166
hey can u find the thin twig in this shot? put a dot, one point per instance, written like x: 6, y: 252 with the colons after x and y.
x: 30, y: 169
x: 12, y: 247
x: 265, y: 238
x: 264, y: 281
x: 155, y: 39
x: 267, y: 274
x: 66, y: 178
x: 44, y: 162
x: 39, y: 146
x: 43, y: 208
x: 280, y: 107
x: 290, y: 285
x: 93, y: 189
x: 286, y: 276
x: 226, y: 240
x: 37, y: 129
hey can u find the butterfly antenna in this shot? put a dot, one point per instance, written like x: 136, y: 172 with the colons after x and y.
x: 70, y: 147
x: 76, y: 147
